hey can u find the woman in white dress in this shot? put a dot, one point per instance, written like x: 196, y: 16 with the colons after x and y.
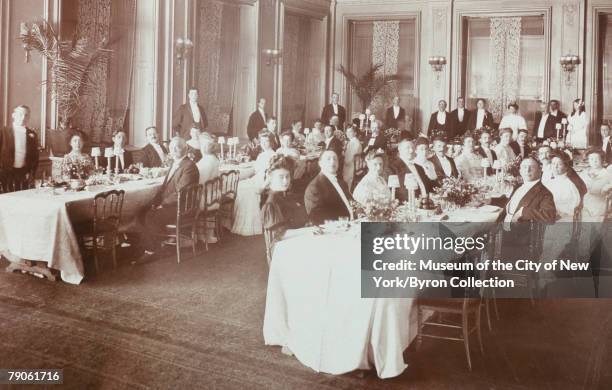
x: 513, y: 120
x: 422, y: 158
x: 599, y: 183
x: 298, y: 138
x: 373, y: 186
x: 353, y: 148
x: 315, y: 137
x: 565, y: 192
x: 469, y: 163
x: 247, y: 215
x: 503, y: 150
x: 577, y: 126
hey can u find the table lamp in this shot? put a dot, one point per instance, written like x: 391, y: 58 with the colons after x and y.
x: 95, y: 153
x: 393, y: 183
x: 108, y: 154
x: 411, y: 184
x: 485, y: 164
x: 558, y: 127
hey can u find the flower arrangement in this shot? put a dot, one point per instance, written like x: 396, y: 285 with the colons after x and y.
x: 339, y: 134
x: 456, y: 190
x: 376, y: 209
x: 77, y: 168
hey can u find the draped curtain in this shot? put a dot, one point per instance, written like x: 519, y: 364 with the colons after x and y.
x: 111, y: 21
x: 216, y: 62
x: 505, y: 49
x: 385, y: 51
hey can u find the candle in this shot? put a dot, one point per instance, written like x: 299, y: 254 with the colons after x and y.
x: 393, y: 183
x: 221, y: 143
x: 95, y: 153
x: 411, y: 185
x: 485, y: 164
x: 558, y: 127
x: 108, y: 154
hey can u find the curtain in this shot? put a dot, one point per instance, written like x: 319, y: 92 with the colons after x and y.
x: 216, y: 62
x: 111, y: 21
x: 505, y: 49
x: 385, y: 51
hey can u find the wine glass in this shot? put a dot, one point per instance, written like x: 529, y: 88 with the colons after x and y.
x: 37, y: 184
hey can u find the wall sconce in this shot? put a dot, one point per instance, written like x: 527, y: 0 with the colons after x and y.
x: 568, y: 63
x: 437, y: 65
x: 182, y: 48
x: 273, y: 56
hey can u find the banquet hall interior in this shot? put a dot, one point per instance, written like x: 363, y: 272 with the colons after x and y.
x: 182, y: 184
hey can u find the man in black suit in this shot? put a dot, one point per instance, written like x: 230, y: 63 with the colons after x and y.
x: 606, y: 145
x: 334, y: 108
x: 257, y: 120
x: 183, y: 173
x: 485, y: 151
x: 271, y: 126
x: 153, y: 154
x: 189, y: 115
x: 443, y: 165
x: 546, y: 125
x: 394, y: 114
x: 18, y: 149
x: 481, y: 117
x: 327, y: 197
x: 460, y: 117
x: 439, y: 120
x: 520, y: 146
x: 125, y: 156
x: 403, y: 164
x: 377, y: 138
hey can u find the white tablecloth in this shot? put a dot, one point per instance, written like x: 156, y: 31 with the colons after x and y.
x: 37, y: 225
x: 246, y: 170
x: 314, y: 305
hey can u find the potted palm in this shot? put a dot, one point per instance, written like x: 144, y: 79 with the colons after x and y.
x: 72, y: 64
x: 368, y: 85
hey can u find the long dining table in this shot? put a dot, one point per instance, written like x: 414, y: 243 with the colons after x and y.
x: 314, y: 305
x: 37, y: 224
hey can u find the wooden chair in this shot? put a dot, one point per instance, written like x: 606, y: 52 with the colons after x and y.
x: 8, y: 183
x: 268, y: 237
x: 462, y: 306
x: 104, y: 226
x: 360, y: 169
x: 209, y: 208
x: 187, y: 212
x: 229, y: 190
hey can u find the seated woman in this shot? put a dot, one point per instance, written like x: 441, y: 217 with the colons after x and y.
x: 469, y: 163
x: 316, y: 137
x: 422, y: 158
x: 503, y: 150
x: 247, y: 217
x: 286, y: 146
x: 193, y: 144
x: 208, y: 168
x: 373, y: 186
x: 76, y: 164
x: 122, y: 158
x: 565, y: 193
x: 599, y: 183
x: 298, y: 137
x: 282, y: 210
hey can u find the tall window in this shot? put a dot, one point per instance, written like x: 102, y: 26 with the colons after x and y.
x: 505, y: 60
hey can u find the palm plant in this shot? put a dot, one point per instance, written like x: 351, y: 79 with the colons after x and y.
x: 72, y: 66
x: 370, y: 84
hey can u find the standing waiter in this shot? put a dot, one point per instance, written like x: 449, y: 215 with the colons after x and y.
x: 18, y: 149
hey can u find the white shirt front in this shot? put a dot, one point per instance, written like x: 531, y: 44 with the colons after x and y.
x: 334, y: 180
x: 20, y: 134
x: 441, y: 117
x: 606, y: 141
x: 327, y: 141
x: 460, y: 114
x: 516, y: 198
x: 195, y: 110
x: 480, y: 115
x: 566, y: 196
x: 335, y: 106
x: 446, y: 166
x: 160, y: 151
x: 262, y: 113
x: 396, y: 111
x: 488, y: 153
x: 542, y: 125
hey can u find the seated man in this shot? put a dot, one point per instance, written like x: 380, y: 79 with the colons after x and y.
x: 520, y: 146
x: 405, y: 164
x: 443, y: 165
x: 153, y: 154
x: 183, y: 173
x: 327, y: 197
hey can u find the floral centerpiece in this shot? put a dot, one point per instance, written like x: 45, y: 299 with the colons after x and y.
x: 376, y: 209
x: 456, y: 190
x: 77, y: 168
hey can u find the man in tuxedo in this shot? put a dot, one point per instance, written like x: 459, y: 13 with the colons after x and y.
x: 439, y: 120
x: 443, y: 165
x: 606, y: 145
x: 327, y: 197
x: 520, y: 146
x: 405, y: 164
x: 18, y: 148
x: 545, y: 125
x: 154, y: 153
x: 271, y: 126
x: 485, y: 150
x: 189, y: 115
x: 332, y: 143
x: 182, y: 174
x: 377, y: 139
x: 394, y: 114
x: 334, y: 108
x: 459, y: 118
x: 481, y: 117
x: 257, y: 120
x: 334, y: 122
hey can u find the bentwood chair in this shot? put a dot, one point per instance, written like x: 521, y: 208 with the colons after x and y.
x: 9, y: 183
x: 187, y: 212
x: 101, y: 232
x: 360, y: 169
x: 209, y: 209
x: 229, y: 190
